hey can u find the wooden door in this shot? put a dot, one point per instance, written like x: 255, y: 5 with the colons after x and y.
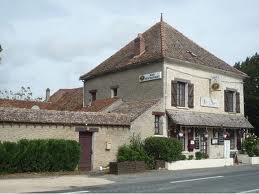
x: 85, y: 140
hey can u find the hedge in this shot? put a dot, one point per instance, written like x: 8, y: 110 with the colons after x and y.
x: 163, y: 148
x: 41, y: 155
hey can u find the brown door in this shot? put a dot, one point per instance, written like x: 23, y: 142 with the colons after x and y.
x: 85, y: 140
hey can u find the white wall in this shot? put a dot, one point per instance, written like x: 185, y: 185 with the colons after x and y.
x: 201, y: 80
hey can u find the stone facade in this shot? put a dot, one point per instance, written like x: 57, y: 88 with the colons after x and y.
x: 14, y: 132
x: 129, y: 87
x: 201, y: 78
x: 116, y: 137
x: 101, y: 156
x: 144, y: 124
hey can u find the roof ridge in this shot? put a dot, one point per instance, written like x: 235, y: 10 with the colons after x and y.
x: 162, y: 36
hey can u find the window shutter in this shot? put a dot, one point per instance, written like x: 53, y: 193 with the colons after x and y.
x: 238, y: 102
x: 190, y: 95
x: 226, y: 101
x: 174, y: 93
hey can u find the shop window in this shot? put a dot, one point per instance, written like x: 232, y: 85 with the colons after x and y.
x: 219, y: 135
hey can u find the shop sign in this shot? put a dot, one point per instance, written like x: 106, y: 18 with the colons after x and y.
x: 150, y: 76
x: 209, y: 102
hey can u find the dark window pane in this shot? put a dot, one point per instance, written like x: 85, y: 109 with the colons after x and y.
x: 181, y: 94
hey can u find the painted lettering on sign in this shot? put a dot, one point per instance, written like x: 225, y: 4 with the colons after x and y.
x: 150, y: 76
x: 209, y: 102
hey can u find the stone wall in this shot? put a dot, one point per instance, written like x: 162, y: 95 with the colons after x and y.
x: 15, y: 132
x: 144, y: 124
x: 129, y: 87
x: 116, y: 136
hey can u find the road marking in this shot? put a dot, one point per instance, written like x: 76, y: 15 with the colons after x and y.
x: 77, y: 192
x: 250, y: 191
x: 189, y: 180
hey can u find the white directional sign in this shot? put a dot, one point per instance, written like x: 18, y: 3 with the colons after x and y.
x: 150, y: 76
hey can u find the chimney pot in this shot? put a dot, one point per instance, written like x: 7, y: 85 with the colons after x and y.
x: 47, y: 95
x: 139, y: 45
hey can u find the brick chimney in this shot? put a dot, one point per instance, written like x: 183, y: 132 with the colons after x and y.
x: 47, y: 95
x: 139, y: 45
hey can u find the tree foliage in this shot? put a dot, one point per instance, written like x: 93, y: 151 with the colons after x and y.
x: 23, y: 94
x: 251, y: 88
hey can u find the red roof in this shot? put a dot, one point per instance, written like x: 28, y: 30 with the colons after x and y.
x: 63, y: 99
x: 161, y: 41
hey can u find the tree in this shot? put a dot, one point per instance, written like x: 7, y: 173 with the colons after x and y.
x: 23, y: 94
x: 251, y: 89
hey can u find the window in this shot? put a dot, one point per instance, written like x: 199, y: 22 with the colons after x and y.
x: 232, y: 101
x: 93, y: 95
x: 158, y: 125
x: 114, y: 92
x: 231, y: 137
x: 218, y: 134
x: 182, y: 94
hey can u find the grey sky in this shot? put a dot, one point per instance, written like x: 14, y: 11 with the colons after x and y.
x: 50, y: 43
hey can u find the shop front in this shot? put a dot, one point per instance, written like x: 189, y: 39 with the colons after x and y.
x: 207, y: 132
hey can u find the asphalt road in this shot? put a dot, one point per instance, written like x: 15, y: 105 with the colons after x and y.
x: 236, y: 179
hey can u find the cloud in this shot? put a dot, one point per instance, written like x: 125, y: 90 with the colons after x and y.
x: 51, y: 43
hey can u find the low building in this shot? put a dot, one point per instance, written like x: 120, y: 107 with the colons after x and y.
x: 198, y: 97
x: 100, y: 134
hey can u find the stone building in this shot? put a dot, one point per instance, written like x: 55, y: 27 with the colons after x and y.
x: 172, y: 87
x: 100, y: 134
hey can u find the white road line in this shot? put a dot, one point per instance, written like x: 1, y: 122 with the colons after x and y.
x: 204, y: 178
x: 76, y: 192
x: 250, y: 191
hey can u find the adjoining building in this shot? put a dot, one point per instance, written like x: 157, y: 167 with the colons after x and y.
x: 197, y: 97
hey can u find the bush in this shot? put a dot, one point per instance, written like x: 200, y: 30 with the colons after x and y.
x: 182, y: 157
x: 135, y: 152
x: 198, y: 155
x: 250, y: 145
x: 256, y: 151
x: 163, y: 148
x: 190, y: 157
x: 39, y: 155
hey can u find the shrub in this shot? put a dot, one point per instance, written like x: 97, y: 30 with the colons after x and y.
x: 182, y: 157
x: 163, y: 148
x: 256, y: 151
x: 190, y: 157
x: 39, y: 155
x: 250, y: 145
x: 198, y: 155
x: 127, y: 153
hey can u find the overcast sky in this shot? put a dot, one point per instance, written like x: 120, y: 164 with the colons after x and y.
x: 50, y: 43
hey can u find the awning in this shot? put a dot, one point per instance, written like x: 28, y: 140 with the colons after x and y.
x: 191, y: 118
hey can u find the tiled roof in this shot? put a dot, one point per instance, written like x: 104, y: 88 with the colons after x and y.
x: 191, y: 118
x: 162, y: 41
x: 67, y: 99
x: 23, y: 104
x: 99, y: 105
x: 63, y: 99
x: 16, y: 115
x: 135, y: 108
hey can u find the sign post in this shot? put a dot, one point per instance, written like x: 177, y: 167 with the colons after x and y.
x: 226, y: 149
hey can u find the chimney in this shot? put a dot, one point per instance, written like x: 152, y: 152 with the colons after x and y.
x: 47, y: 95
x: 139, y: 45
